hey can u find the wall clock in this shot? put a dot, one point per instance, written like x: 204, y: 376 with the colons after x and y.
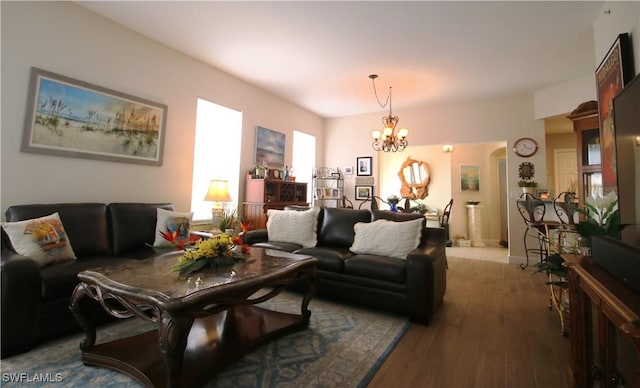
x: 525, y: 147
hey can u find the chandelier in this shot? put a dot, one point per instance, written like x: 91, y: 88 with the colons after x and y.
x: 387, y: 139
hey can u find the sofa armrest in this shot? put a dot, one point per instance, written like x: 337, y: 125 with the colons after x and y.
x: 251, y: 237
x: 434, y: 236
x: 20, y: 298
x: 426, y: 278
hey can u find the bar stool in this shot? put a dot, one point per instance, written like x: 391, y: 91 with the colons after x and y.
x: 532, y: 210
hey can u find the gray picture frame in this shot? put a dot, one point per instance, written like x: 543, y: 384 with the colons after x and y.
x: 72, y: 118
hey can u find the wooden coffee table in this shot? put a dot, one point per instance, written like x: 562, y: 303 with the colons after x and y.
x: 204, y: 321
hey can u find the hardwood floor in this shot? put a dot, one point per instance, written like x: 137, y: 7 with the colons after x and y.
x: 494, y: 329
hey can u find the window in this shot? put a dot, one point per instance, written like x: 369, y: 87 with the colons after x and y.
x: 304, y: 159
x: 216, y: 155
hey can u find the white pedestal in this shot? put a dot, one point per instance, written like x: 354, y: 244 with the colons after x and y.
x: 474, y: 215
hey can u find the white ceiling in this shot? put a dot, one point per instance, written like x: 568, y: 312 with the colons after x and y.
x: 319, y: 54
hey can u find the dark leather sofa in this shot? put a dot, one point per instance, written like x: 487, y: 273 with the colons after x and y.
x: 414, y: 286
x: 35, y: 299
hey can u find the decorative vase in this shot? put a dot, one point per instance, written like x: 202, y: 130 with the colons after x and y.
x: 527, y: 190
x: 394, y: 207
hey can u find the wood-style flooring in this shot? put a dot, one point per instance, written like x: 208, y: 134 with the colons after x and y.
x: 494, y: 329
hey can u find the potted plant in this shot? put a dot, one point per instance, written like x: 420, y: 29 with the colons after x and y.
x: 527, y: 185
x: 228, y: 221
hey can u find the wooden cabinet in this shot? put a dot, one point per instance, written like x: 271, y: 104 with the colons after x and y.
x: 605, y: 327
x: 264, y: 194
x: 586, y: 128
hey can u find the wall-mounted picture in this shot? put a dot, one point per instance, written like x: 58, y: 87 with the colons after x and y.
x: 470, y: 178
x: 269, y: 147
x: 363, y: 165
x: 68, y: 117
x: 615, y: 71
x: 363, y: 192
x: 348, y: 170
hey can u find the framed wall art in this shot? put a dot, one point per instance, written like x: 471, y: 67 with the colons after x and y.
x: 363, y: 192
x: 269, y: 147
x: 363, y: 165
x: 470, y: 178
x: 613, y: 73
x: 68, y: 117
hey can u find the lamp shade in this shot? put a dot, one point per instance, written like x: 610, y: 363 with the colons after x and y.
x: 218, y: 191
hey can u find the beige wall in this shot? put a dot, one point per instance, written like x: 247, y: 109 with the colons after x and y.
x: 69, y: 40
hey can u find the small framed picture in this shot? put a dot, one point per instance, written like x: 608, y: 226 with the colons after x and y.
x: 364, y: 192
x: 348, y: 170
x: 363, y: 165
x: 544, y: 194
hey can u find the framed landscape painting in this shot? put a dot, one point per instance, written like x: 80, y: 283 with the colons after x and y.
x: 269, y: 147
x: 68, y: 117
x: 363, y: 192
x: 613, y: 73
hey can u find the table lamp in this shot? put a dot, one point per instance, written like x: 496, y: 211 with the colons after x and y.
x: 218, y: 193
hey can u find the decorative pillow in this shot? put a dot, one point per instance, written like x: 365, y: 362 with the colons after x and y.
x: 387, y: 238
x: 42, y: 239
x: 293, y: 226
x: 174, y: 225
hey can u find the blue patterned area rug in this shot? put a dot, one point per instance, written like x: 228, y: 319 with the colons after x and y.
x: 344, y: 346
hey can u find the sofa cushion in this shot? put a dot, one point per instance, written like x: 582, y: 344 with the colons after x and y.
x: 293, y: 226
x: 376, y: 267
x: 42, y: 239
x: 58, y: 281
x: 172, y: 224
x: 337, y: 226
x: 84, y: 223
x: 133, y: 225
x: 387, y: 238
x: 329, y: 258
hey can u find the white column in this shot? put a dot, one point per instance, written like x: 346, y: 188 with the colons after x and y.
x: 474, y: 214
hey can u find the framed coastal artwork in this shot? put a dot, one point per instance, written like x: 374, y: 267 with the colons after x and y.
x: 269, y: 147
x: 73, y: 118
x: 613, y: 73
x: 470, y: 178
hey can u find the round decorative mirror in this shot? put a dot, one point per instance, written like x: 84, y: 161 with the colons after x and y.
x: 414, y: 176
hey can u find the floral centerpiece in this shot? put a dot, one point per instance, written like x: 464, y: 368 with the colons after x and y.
x: 217, y: 252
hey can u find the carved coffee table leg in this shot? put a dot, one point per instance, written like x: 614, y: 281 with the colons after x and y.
x: 173, y: 334
x: 88, y: 328
x: 309, y: 293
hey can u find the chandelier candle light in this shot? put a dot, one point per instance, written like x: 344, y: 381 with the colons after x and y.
x: 387, y: 139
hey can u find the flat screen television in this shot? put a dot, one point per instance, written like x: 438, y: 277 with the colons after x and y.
x: 626, y: 116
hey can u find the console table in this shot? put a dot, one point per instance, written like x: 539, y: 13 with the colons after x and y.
x: 605, y: 327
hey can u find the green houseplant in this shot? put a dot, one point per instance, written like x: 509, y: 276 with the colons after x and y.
x: 229, y: 220
x: 527, y: 183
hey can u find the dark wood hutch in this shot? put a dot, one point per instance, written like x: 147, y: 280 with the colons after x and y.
x: 587, y: 130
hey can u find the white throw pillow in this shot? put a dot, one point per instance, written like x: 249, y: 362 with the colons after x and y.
x: 42, y: 239
x: 387, y: 238
x: 172, y: 222
x: 293, y: 226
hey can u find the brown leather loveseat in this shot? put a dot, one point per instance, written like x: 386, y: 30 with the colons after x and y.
x: 35, y: 298
x: 413, y: 285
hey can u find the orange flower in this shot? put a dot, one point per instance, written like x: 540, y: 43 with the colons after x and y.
x: 245, y: 226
